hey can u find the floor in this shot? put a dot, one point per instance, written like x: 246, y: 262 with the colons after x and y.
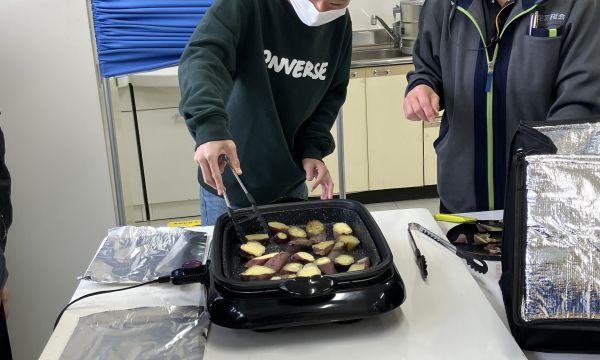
x: 430, y: 204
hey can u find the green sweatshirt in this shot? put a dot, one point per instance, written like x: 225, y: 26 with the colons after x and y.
x: 253, y: 73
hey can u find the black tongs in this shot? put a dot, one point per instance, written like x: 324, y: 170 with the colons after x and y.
x: 475, y: 262
x: 257, y: 215
x: 419, y: 258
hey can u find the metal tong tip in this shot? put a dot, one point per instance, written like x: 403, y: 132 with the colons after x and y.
x: 263, y: 224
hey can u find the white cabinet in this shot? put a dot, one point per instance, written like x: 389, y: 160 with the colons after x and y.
x: 395, y: 145
x: 158, y: 173
x: 430, y: 133
x: 382, y: 149
x: 167, y: 151
x: 355, y: 139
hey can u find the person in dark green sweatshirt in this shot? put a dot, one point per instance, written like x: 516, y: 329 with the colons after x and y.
x: 262, y: 81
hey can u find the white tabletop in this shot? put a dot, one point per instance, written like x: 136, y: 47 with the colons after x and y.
x: 447, y: 316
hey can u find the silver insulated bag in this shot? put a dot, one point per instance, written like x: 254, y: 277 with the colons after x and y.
x: 551, y: 253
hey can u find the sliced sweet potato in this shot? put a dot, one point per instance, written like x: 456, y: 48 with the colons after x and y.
x: 357, y: 267
x: 350, y: 241
x: 280, y: 238
x: 343, y: 262
x: 302, y: 243
x: 278, y: 261
x: 302, y: 257
x: 338, y: 249
x: 258, y: 273
x: 341, y: 229
x: 277, y: 227
x: 296, y: 233
x: 365, y: 261
x: 482, y: 239
x: 293, y: 248
x: 257, y: 237
x: 252, y: 249
x: 325, y: 265
x: 493, y: 249
x: 309, y: 270
x: 260, y: 260
x: 291, y: 268
x: 323, y: 248
x: 482, y: 228
x: 461, y: 239
x: 315, y: 230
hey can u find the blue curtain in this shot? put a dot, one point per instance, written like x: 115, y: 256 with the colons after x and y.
x: 143, y: 35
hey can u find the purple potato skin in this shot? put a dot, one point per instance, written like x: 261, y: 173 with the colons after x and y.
x: 327, y: 268
x: 278, y: 261
x: 255, y: 261
x: 338, y: 249
x: 299, y: 259
x: 302, y: 242
x: 322, y: 251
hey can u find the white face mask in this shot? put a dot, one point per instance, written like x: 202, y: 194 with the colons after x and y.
x: 310, y: 16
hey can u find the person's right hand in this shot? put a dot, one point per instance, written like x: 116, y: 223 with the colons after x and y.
x: 207, y: 158
x: 421, y: 104
x: 5, y: 302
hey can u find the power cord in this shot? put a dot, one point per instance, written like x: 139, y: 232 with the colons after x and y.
x: 182, y: 276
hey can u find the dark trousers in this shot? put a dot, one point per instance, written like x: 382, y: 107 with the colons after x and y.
x: 5, y: 352
x: 443, y: 209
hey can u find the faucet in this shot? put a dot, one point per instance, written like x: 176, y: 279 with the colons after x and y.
x: 388, y: 30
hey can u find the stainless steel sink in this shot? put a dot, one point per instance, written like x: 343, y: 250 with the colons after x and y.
x: 368, y: 38
x: 375, y: 48
x: 377, y: 54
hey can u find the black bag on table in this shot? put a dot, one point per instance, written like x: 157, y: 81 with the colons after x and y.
x: 551, y: 244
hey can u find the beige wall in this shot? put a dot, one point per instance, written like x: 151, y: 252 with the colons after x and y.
x: 361, y: 11
x: 56, y: 153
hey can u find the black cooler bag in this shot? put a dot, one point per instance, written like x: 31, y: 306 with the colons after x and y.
x: 551, y: 252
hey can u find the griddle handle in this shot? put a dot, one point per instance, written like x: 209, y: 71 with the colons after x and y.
x: 309, y: 287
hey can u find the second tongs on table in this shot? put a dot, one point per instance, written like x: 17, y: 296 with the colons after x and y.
x: 256, y: 212
x: 475, y: 262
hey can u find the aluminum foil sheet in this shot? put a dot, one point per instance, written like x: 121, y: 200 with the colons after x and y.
x: 562, y: 255
x: 132, y: 254
x: 148, y: 333
x: 574, y: 139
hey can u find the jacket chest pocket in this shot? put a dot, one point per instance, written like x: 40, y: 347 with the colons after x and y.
x: 535, y: 64
x: 541, y: 55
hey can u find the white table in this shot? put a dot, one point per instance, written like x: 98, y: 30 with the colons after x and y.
x: 448, y: 316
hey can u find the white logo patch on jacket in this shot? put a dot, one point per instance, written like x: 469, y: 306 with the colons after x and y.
x: 296, y: 68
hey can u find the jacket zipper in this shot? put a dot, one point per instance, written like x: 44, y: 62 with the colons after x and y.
x: 489, y: 88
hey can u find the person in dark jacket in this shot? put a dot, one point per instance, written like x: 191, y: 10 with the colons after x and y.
x: 491, y: 64
x: 5, y: 221
x: 265, y: 78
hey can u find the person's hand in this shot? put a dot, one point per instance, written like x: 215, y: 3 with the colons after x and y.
x: 5, y: 302
x: 421, y: 104
x: 207, y: 158
x: 318, y: 173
